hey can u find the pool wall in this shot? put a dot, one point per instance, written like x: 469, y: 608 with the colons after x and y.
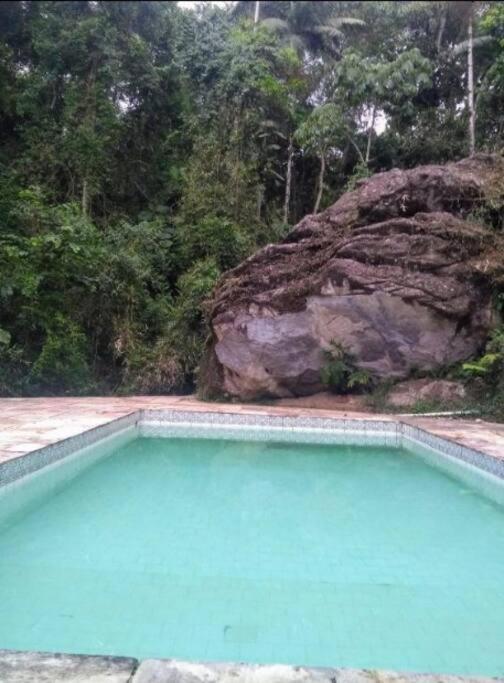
x: 316, y: 430
x: 47, y: 455
x: 23, y: 488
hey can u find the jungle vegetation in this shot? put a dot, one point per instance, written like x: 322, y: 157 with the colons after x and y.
x: 146, y: 148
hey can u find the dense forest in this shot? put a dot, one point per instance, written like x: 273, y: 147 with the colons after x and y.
x: 146, y: 148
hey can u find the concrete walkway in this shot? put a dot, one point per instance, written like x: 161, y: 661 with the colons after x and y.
x: 30, y: 423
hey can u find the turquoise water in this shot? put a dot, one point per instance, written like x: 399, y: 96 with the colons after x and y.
x: 221, y: 550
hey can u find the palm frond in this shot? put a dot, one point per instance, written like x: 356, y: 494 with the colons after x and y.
x: 338, y: 22
x: 330, y: 31
x: 464, y: 45
x: 276, y: 24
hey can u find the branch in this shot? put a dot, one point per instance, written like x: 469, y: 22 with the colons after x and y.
x: 352, y: 142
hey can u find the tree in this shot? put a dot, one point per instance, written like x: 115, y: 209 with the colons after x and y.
x: 490, y: 97
x: 369, y: 86
x: 455, y: 36
x: 470, y: 82
x: 322, y: 134
x: 309, y: 26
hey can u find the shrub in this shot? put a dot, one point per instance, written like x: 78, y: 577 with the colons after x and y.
x: 170, y: 363
x: 340, y: 373
x: 62, y: 364
x: 13, y: 366
x: 490, y: 366
x: 153, y: 370
x: 360, y: 172
x: 485, y: 376
x: 216, y: 238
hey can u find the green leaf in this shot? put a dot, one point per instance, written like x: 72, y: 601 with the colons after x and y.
x: 4, y: 337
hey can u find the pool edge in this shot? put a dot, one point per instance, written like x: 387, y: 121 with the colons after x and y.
x: 399, y: 432
x: 21, y: 666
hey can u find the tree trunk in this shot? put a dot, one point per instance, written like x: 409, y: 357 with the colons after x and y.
x: 236, y: 174
x: 356, y: 147
x: 288, y: 182
x: 257, y: 11
x: 89, y: 121
x: 260, y: 196
x: 370, y: 136
x: 85, y: 197
x: 442, y: 25
x: 470, y: 84
x: 320, y: 184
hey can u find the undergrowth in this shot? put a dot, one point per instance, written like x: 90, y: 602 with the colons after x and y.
x: 340, y: 373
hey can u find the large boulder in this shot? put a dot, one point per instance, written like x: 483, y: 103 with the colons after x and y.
x: 394, y: 271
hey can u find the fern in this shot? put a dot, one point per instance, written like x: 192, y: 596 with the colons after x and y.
x: 359, y: 378
x: 340, y: 373
x: 483, y: 365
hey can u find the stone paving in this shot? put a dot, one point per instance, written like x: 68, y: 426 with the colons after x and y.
x: 45, y: 667
x: 42, y: 667
x: 30, y: 423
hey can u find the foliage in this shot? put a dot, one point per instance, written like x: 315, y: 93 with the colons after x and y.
x: 485, y: 376
x: 323, y: 130
x: 62, y: 363
x: 13, y: 368
x: 323, y: 134
x: 313, y: 27
x: 369, y: 86
x: 145, y: 149
x: 187, y: 329
x: 490, y: 365
x: 377, y: 399
x: 216, y: 238
x: 360, y: 172
x: 165, y: 366
x: 340, y: 373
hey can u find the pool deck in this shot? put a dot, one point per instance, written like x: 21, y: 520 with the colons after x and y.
x: 43, y: 667
x: 30, y: 423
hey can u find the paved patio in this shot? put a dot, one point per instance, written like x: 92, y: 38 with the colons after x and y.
x: 30, y: 423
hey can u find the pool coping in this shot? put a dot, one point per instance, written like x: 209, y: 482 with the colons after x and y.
x: 21, y: 667
x: 27, y: 463
x: 18, y: 667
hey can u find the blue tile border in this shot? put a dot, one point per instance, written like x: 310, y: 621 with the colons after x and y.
x: 456, y: 450
x: 403, y: 434
x: 28, y: 463
x: 296, y: 435
x: 250, y: 419
x: 326, y: 430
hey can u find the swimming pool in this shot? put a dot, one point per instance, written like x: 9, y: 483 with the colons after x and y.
x: 314, y: 543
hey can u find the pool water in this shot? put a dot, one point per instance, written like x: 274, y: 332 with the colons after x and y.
x: 260, y: 552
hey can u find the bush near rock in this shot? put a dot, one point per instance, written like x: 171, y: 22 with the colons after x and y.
x: 396, y: 272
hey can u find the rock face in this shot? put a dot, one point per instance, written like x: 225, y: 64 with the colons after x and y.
x: 393, y: 271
